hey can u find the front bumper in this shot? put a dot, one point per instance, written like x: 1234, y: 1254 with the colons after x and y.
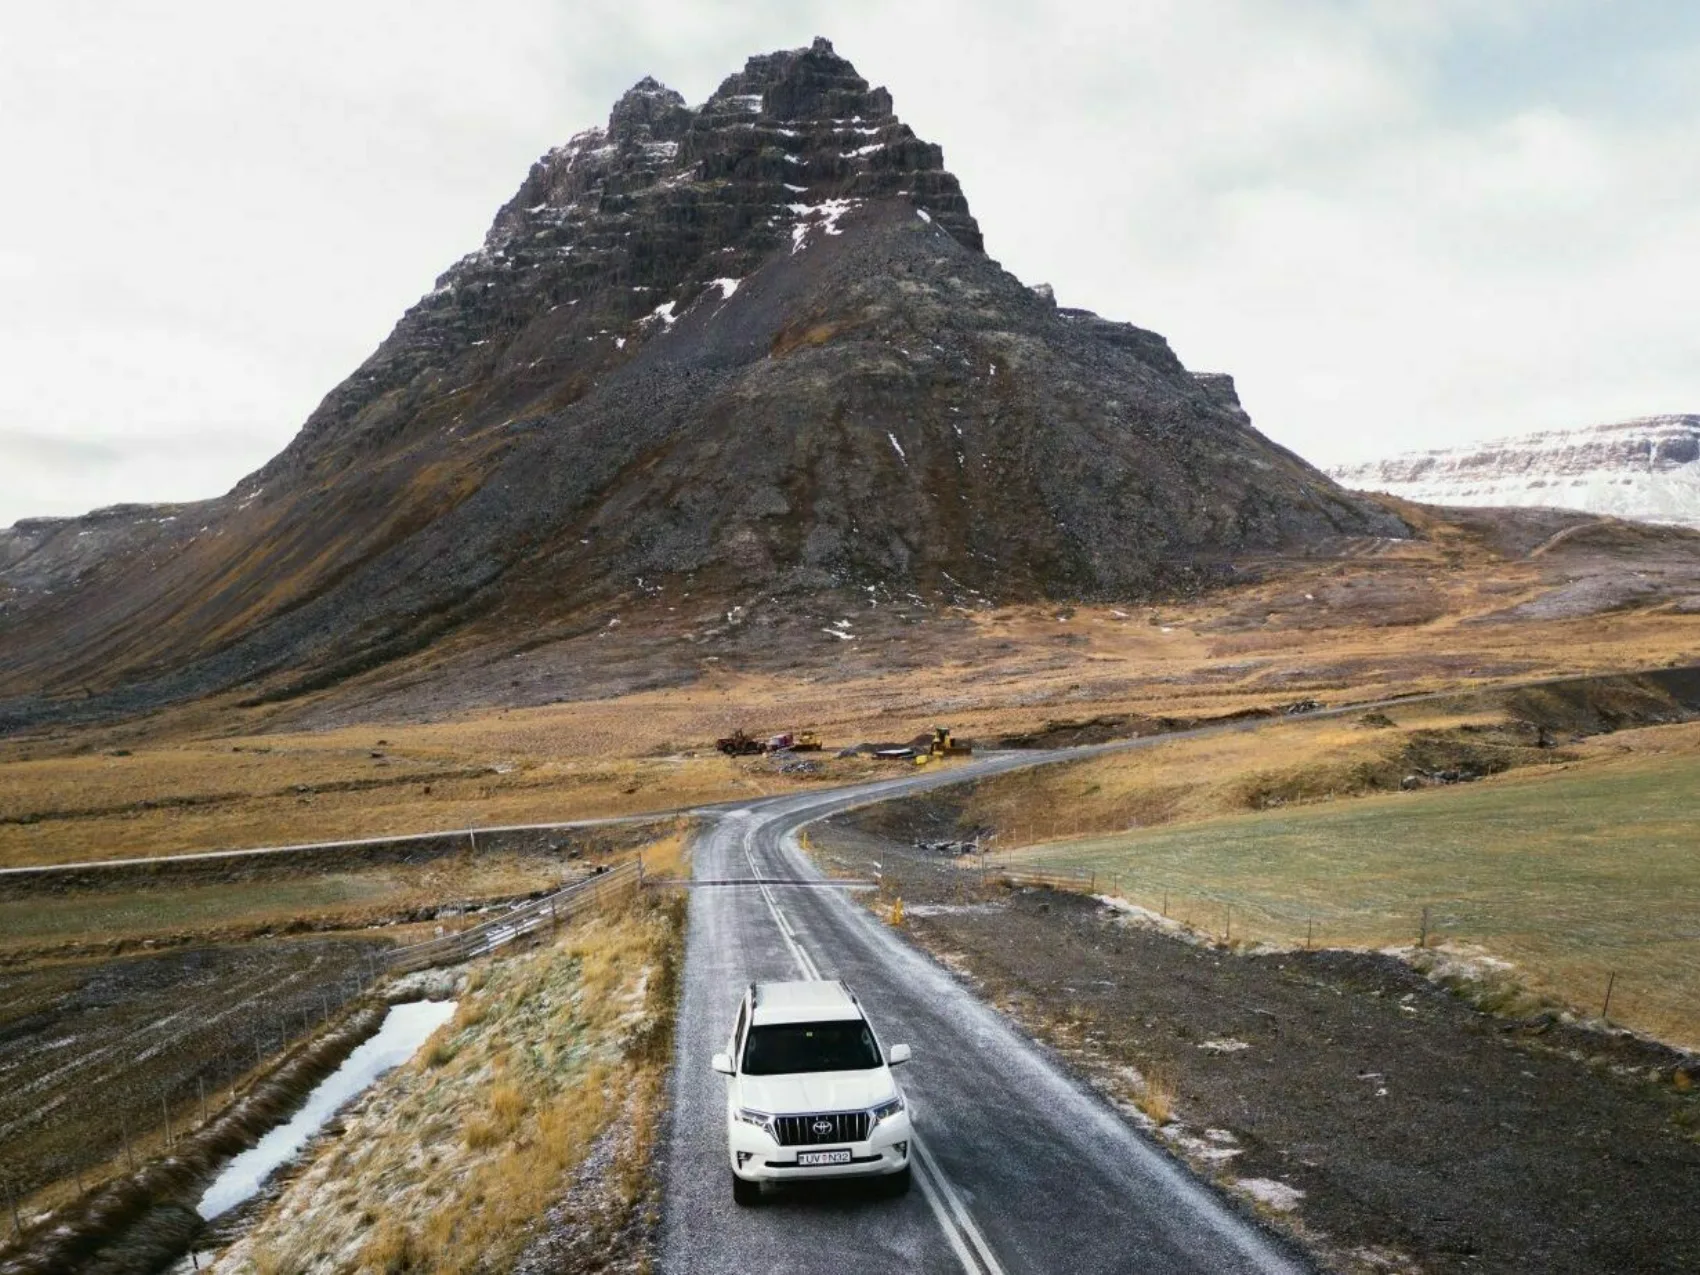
x: 756, y: 1157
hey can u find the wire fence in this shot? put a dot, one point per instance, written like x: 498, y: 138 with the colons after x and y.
x: 197, y: 1052
x: 1601, y: 994
x: 527, y: 918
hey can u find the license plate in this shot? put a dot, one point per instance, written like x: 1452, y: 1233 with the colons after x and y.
x: 810, y: 1158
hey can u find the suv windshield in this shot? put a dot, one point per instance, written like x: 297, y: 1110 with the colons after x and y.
x: 778, y: 1049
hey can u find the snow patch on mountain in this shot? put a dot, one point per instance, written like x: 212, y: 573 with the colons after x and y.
x: 1646, y: 469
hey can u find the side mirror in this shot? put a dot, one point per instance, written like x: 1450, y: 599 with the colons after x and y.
x: 899, y: 1055
x: 722, y: 1063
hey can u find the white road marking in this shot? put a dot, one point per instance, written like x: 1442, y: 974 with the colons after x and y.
x: 946, y: 1224
x: 957, y: 1207
x: 955, y: 1221
x: 804, y: 962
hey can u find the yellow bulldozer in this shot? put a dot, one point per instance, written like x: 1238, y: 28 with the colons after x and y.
x: 939, y: 745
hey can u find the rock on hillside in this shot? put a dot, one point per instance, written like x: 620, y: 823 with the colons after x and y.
x: 755, y: 344
x: 1646, y: 469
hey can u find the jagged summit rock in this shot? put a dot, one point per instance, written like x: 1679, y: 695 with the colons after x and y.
x: 633, y: 223
x: 749, y: 348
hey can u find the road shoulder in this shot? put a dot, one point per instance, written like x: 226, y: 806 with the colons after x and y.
x: 1368, y: 1113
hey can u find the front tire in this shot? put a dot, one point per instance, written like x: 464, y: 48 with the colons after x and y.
x: 745, y: 1194
x: 897, y: 1185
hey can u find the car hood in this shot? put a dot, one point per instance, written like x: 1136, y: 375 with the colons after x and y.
x: 816, y: 1091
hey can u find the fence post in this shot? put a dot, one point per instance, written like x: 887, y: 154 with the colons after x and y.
x: 17, y: 1224
x: 1228, y: 934
x: 165, y: 1114
x: 1310, y: 928
x: 124, y: 1132
x: 1422, y: 934
x: 1165, y: 903
x: 1611, y: 982
x: 201, y: 1086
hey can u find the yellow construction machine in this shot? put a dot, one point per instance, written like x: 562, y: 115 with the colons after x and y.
x: 942, y: 744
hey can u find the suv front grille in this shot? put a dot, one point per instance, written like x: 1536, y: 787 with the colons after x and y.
x: 813, y: 1131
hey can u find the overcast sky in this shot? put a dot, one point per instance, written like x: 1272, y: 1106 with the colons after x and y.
x: 1398, y: 223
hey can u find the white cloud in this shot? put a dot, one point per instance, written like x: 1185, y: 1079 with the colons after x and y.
x: 1393, y: 221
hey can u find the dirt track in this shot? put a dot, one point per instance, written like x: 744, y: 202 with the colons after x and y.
x: 1423, y: 1134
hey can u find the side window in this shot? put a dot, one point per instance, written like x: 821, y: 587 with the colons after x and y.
x: 738, y: 1032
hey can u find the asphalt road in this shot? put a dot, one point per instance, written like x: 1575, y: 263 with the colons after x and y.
x: 1021, y: 1168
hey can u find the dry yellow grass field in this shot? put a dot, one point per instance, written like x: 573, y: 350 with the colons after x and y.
x: 215, y: 776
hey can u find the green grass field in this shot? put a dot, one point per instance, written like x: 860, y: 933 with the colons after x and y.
x: 1573, y: 875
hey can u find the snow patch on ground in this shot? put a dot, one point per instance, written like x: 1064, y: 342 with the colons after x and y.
x: 1146, y: 917
x: 1226, y: 1045
x: 897, y: 447
x: 1276, y: 1195
x: 727, y: 287
x: 922, y: 214
x: 950, y: 909
x: 1217, y: 1146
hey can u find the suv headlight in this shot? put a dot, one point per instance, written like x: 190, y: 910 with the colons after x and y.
x: 760, y: 1119
x: 886, y: 1110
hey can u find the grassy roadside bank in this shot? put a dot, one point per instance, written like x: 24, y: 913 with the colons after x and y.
x: 549, y: 1081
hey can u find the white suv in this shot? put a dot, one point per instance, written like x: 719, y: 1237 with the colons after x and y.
x: 811, y: 1095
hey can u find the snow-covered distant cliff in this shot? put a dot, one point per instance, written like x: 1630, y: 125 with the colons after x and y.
x: 1647, y: 469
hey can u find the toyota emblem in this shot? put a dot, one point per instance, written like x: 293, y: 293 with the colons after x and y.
x: 822, y: 1127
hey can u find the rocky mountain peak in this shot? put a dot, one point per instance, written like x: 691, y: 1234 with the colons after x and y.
x: 620, y: 229
x: 649, y: 111
x: 705, y: 355
x: 806, y: 84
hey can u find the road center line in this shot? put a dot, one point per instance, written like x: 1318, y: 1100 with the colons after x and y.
x: 956, y: 1221
x: 963, y: 1218
x: 946, y: 1224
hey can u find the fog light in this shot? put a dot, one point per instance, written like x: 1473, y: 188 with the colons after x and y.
x: 902, y: 1149
x: 743, y: 1158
